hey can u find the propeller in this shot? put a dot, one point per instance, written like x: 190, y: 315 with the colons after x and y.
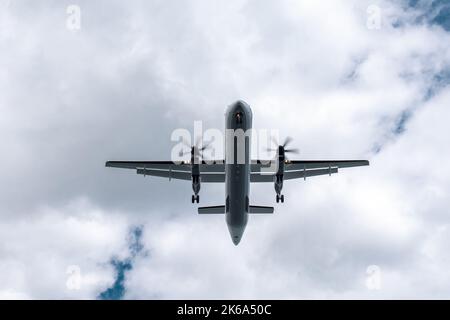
x: 194, y: 148
x: 281, y: 149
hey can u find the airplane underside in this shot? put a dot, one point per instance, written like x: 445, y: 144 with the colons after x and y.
x: 237, y: 171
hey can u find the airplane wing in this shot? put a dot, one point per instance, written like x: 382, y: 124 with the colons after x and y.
x: 295, y: 169
x: 316, y: 164
x: 209, y: 172
x: 215, y: 172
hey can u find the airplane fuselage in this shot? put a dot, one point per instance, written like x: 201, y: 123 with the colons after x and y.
x: 238, y: 120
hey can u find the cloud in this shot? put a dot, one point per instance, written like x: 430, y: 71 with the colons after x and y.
x: 135, y: 71
x: 39, y: 251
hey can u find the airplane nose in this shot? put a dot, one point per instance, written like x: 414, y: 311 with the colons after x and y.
x: 237, y: 113
x: 236, y: 241
x: 236, y: 234
x: 240, y: 105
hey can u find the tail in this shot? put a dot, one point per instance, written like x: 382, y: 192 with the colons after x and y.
x: 221, y: 210
x: 260, y: 210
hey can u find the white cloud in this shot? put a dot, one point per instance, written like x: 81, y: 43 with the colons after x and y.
x: 38, y: 250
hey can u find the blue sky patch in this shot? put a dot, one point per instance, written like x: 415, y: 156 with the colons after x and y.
x: 135, y: 246
x: 436, y: 12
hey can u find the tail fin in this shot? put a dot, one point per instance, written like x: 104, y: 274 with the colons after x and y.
x: 261, y: 209
x: 212, y: 210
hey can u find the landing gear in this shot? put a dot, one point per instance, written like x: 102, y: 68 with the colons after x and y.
x: 280, y: 198
x: 195, y: 198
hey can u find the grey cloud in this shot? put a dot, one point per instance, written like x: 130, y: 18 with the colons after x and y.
x: 135, y: 71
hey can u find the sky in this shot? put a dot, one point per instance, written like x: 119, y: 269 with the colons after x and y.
x: 83, y: 82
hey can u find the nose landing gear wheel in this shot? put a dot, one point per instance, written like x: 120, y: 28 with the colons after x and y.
x: 278, y: 198
x: 198, y: 198
x: 193, y: 198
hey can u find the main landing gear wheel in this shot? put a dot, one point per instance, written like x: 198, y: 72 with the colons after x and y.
x: 280, y: 198
x: 195, y: 198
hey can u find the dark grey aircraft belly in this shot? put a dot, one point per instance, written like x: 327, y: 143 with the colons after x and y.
x: 237, y: 191
x: 237, y: 175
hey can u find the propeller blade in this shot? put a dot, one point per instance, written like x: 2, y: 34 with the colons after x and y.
x: 207, y: 145
x: 287, y: 141
x: 296, y: 151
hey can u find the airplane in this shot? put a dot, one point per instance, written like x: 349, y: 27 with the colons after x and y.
x: 236, y: 175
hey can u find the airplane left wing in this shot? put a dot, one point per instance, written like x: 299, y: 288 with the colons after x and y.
x: 289, y: 175
x: 317, y: 164
x: 209, y: 173
x: 297, y: 169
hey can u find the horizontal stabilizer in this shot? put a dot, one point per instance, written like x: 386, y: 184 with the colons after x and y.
x: 221, y: 210
x: 212, y: 210
x: 260, y: 210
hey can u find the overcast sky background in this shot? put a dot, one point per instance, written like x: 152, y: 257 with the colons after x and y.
x: 136, y: 70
